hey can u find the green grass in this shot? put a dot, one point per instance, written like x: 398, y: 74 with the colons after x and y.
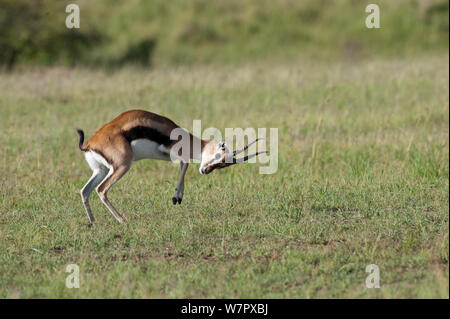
x: 180, y: 32
x: 362, y: 179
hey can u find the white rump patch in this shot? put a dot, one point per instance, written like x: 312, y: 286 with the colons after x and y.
x: 96, y: 161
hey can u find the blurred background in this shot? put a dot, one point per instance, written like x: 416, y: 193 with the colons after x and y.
x: 159, y: 32
x: 363, y: 129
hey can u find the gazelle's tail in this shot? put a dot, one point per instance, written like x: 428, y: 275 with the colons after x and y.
x: 80, y: 143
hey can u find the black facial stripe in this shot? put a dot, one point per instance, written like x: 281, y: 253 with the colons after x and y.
x: 149, y: 133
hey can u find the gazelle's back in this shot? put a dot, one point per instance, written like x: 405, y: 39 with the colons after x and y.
x: 133, y: 125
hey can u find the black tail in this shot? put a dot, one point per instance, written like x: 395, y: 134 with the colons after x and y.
x: 80, y: 143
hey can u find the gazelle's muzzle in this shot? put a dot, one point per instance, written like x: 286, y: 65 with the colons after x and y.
x: 206, y: 170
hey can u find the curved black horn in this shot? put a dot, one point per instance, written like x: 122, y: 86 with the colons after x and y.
x: 245, y: 158
x: 236, y: 152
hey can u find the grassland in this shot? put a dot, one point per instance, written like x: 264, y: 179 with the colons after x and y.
x: 362, y: 179
x: 164, y: 33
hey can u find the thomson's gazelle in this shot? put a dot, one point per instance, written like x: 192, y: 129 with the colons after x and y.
x: 136, y: 135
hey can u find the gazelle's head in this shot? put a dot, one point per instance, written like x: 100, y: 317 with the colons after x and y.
x: 216, y: 155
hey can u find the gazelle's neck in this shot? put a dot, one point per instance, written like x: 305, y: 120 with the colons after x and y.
x: 197, y: 146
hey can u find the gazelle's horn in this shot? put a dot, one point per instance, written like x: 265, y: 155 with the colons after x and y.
x: 245, y: 158
x: 246, y: 146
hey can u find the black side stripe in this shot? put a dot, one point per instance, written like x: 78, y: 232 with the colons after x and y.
x: 149, y: 133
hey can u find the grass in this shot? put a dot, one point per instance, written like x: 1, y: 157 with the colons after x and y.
x: 362, y: 179
x: 195, y: 32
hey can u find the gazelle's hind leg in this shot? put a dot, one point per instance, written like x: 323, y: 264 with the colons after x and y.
x: 96, y: 178
x: 99, y: 173
x: 102, y: 190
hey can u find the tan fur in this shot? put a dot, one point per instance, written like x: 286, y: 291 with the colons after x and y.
x: 111, y: 144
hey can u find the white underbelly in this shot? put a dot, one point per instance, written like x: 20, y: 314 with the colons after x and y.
x: 143, y: 148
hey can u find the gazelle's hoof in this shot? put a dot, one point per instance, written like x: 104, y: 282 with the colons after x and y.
x: 176, y: 200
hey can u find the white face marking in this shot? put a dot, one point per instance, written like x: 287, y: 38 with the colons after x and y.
x: 143, y: 148
x: 213, y: 155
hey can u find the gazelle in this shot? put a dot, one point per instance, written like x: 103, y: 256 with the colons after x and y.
x: 135, y: 135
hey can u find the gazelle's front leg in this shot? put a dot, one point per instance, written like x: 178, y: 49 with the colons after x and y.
x: 180, y: 185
